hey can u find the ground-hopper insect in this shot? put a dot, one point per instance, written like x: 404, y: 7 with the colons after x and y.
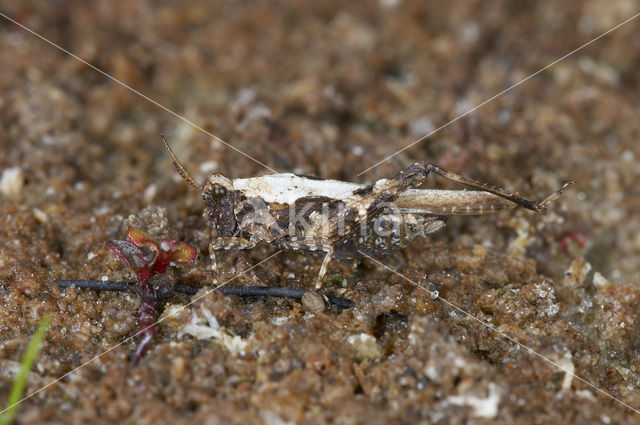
x: 343, y: 219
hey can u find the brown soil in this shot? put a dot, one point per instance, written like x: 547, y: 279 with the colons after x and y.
x: 326, y: 89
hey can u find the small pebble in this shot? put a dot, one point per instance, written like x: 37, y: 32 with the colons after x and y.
x: 12, y: 181
x: 178, y: 367
x: 313, y: 302
x: 40, y: 215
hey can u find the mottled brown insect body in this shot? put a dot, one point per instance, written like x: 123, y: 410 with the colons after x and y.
x: 342, y: 219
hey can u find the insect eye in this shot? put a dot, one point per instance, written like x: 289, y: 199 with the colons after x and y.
x: 218, y: 192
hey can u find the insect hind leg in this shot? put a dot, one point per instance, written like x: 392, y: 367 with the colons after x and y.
x: 539, y: 207
x: 323, y: 268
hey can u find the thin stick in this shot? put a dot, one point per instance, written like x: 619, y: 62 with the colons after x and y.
x: 238, y: 291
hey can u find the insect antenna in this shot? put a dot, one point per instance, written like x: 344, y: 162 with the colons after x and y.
x: 179, y: 168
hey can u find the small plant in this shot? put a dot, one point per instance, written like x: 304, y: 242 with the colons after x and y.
x: 148, y: 257
x: 29, y: 358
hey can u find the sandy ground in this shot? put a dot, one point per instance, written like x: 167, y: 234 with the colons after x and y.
x: 326, y: 89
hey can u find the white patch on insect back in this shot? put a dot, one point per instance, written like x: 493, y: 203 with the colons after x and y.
x: 286, y: 188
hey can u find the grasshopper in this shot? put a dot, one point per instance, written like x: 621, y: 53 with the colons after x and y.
x: 342, y: 219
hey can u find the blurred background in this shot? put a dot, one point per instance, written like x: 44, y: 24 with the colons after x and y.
x: 325, y: 88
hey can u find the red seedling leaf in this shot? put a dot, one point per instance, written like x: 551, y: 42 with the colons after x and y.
x: 140, y: 238
x: 174, y: 251
x: 127, y: 252
x: 146, y: 256
x: 184, y: 253
x: 137, y: 259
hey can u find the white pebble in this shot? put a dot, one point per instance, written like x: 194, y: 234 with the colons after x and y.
x: 12, y: 181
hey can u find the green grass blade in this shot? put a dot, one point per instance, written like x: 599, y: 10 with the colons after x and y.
x: 28, y: 359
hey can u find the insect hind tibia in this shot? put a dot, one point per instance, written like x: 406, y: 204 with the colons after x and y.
x: 555, y: 195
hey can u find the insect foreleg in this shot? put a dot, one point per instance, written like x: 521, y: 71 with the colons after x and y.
x: 226, y: 243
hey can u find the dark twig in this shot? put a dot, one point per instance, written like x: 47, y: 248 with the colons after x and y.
x: 104, y: 285
x: 113, y: 286
x: 238, y: 291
